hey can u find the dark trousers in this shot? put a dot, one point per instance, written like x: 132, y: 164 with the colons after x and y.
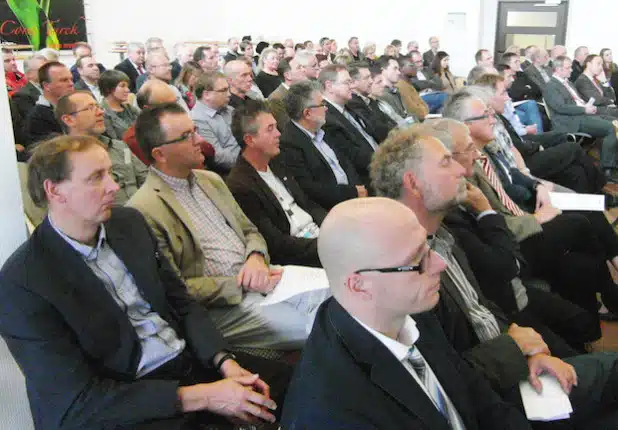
x: 571, y: 257
x: 599, y: 126
x: 189, y: 371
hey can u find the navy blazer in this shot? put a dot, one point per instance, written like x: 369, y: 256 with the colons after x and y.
x: 127, y: 67
x: 312, y: 171
x: 76, y: 346
x: 347, y: 379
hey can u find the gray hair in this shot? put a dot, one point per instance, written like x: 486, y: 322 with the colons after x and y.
x: 559, y: 62
x: 134, y: 46
x: 475, y: 73
x: 399, y: 153
x: 49, y: 54
x: 481, y: 92
x: 153, y: 55
x: 263, y: 56
x: 152, y: 40
x: 299, y: 97
x: 579, y: 50
x: 458, y: 105
x: 443, y: 130
x: 303, y: 56
x: 28, y: 61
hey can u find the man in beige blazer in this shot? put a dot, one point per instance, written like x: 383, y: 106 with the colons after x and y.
x: 215, y: 248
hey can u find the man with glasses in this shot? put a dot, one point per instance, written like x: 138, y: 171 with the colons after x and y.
x: 210, y: 242
x: 213, y: 117
x: 351, y: 133
x: 159, y: 67
x: 82, y: 116
x: 309, y: 63
x: 41, y: 123
x: 415, y: 167
x: 376, y: 358
x: 322, y: 170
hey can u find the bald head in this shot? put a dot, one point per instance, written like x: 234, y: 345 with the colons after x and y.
x: 155, y: 92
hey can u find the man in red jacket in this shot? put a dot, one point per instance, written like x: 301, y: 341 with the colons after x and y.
x: 14, y: 78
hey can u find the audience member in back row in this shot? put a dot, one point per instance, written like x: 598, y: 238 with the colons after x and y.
x: 133, y: 65
x: 268, y: 193
x: 119, y: 113
x: 56, y: 81
x: 82, y: 49
x: 185, y: 82
x: 376, y: 358
x: 268, y: 78
x: 324, y: 173
x: 290, y: 73
x: 592, y: 83
x: 210, y: 242
x: 240, y: 78
x: 100, y: 324
x: 15, y: 80
x: 89, y: 76
x: 81, y: 115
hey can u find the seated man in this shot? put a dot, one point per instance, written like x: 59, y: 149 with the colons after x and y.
x: 15, y: 80
x: 133, y: 65
x: 360, y: 103
x: 579, y: 57
x: 159, y: 67
x: 210, y: 242
x: 82, y: 116
x: 240, y: 79
x: 484, y: 58
x: 206, y: 57
x: 376, y: 359
x: 570, y: 114
x: 393, y: 96
x: 99, y: 323
x: 41, y: 123
x: 412, y: 70
x: 324, y: 173
x: 351, y: 134
x: 268, y: 193
x: 212, y: 116
x: 290, y: 73
x: 523, y: 87
x: 416, y: 168
x: 566, y: 249
x: 593, y: 84
x: 89, y: 76
x: 82, y: 49
x: 548, y: 156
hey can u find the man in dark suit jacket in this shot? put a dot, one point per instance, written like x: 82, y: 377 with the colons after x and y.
x: 569, y: 114
x: 133, y: 65
x: 589, y: 86
x: 477, y: 327
x: 324, y: 173
x: 539, y: 72
x: 268, y: 194
x: 429, y: 55
x: 578, y: 62
x: 41, y: 122
x: 522, y: 88
x: 375, y: 359
x: 88, y: 360
x: 82, y: 49
x: 352, y: 134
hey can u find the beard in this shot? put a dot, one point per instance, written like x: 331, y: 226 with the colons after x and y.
x: 434, y: 201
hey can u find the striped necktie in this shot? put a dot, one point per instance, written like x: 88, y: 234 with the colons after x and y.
x: 497, y: 185
x: 430, y: 382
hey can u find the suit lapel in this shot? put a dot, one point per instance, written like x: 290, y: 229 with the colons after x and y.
x: 309, y: 146
x: 384, y: 368
x: 258, y: 184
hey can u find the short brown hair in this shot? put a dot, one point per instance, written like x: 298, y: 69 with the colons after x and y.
x: 65, y: 105
x: 489, y: 80
x: 330, y: 73
x: 81, y: 45
x: 50, y: 161
x: 206, y: 82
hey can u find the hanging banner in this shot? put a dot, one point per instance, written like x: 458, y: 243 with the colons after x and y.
x: 56, y: 24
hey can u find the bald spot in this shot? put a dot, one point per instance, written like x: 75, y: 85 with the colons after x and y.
x: 366, y: 233
x: 234, y: 67
x: 160, y: 92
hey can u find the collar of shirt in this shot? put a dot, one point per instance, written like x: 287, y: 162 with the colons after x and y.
x: 363, y: 98
x: 443, y: 243
x: 210, y: 111
x: 317, y: 137
x: 176, y: 184
x: 89, y: 253
x: 563, y: 81
x: 408, y: 335
x: 37, y: 86
x: 105, y: 140
x: 136, y: 66
x: 91, y: 87
x: 335, y: 105
x: 286, y: 86
x: 43, y: 101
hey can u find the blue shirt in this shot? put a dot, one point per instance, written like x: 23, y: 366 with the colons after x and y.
x: 158, y: 340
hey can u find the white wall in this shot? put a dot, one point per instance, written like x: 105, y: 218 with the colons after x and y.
x: 592, y: 23
x: 192, y: 20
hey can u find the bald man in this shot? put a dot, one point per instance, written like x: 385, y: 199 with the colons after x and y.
x: 240, y: 78
x: 375, y: 358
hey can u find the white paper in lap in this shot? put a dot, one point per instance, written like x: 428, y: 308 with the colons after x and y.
x: 551, y: 405
x: 294, y: 281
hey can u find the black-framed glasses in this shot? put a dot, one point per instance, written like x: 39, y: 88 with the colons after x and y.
x: 470, y: 149
x: 222, y: 90
x: 421, y: 267
x: 184, y: 136
x: 92, y: 108
x: 486, y: 115
x: 323, y: 104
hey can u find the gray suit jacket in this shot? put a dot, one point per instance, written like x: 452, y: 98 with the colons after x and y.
x: 566, y: 116
x: 522, y: 226
x: 535, y: 76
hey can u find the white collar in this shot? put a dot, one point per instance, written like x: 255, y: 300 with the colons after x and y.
x: 407, y: 337
x: 335, y: 105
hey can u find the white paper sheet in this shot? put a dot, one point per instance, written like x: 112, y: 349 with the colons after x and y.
x: 551, y: 405
x: 296, y: 280
x: 577, y: 201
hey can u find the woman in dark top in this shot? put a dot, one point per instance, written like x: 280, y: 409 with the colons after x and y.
x: 119, y: 113
x: 268, y: 79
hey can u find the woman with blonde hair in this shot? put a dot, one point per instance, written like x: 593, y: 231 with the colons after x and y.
x: 268, y: 79
x: 369, y: 52
x: 186, y: 80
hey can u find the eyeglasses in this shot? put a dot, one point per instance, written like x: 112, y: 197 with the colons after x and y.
x: 222, y: 90
x: 184, y: 136
x: 165, y: 66
x: 488, y: 114
x: 421, y: 267
x: 346, y: 83
x: 470, y: 149
x: 92, y: 108
x: 323, y: 104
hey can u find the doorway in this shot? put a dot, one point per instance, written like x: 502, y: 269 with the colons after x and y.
x: 524, y: 23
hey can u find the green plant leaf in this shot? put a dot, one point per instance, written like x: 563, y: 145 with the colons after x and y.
x: 27, y: 12
x: 51, y: 41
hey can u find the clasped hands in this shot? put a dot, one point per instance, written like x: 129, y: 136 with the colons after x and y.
x: 257, y: 276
